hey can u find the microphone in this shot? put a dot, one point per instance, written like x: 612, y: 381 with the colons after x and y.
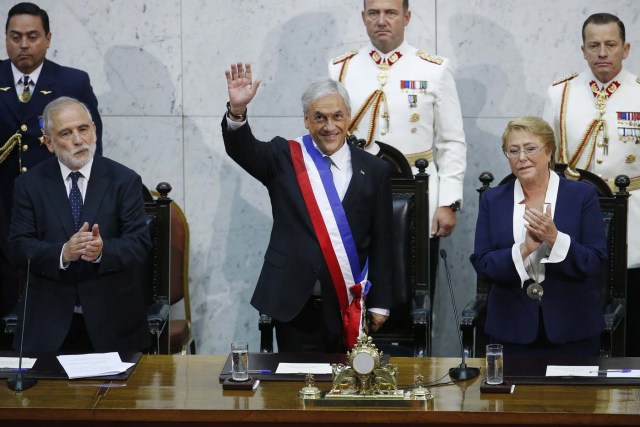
x: 462, y: 372
x: 19, y: 382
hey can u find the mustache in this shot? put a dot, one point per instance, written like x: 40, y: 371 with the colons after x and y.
x: 81, y: 148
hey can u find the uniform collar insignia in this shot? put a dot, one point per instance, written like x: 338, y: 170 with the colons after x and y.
x: 613, y: 86
x: 4, y: 89
x: 45, y: 92
x: 380, y: 60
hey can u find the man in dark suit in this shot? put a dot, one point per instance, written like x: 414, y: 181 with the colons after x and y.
x: 28, y: 82
x: 80, y: 222
x: 331, y: 205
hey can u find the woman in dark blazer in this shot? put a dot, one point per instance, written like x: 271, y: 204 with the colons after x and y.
x: 540, y: 241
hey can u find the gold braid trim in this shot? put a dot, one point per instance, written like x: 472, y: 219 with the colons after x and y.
x: 343, y: 71
x: 595, y: 126
x: 372, y: 100
x: 8, y: 146
x: 563, y: 124
x: 590, y: 135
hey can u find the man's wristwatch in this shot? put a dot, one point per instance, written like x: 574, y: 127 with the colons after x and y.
x: 239, y: 118
x: 455, y: 206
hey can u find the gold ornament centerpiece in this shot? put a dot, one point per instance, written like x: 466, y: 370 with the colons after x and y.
x: 364, y: 375
x: 365, y: 381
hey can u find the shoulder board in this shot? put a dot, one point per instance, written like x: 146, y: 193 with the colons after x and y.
x: 638, y: 80
x: 429, y: 57
x: 564, y: 78
x: 344, y: 56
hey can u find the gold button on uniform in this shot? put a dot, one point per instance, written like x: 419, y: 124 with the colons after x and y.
x: 23, y: 169
x: 25, y: 147
x: 23, y: 128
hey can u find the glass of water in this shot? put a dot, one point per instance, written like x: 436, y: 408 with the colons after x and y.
x: 494, y: 364
x: 240, y: 360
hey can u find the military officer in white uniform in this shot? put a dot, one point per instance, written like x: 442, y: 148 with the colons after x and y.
x: 596, y: 118
x: 407, y: 98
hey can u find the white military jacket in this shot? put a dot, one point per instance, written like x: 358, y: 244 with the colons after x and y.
x: 620, y: 154
x: 416, y: 108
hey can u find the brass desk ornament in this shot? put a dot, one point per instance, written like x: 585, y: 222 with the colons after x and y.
x: 364, y: 381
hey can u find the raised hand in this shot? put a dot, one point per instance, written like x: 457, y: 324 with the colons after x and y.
x: 241, y: 87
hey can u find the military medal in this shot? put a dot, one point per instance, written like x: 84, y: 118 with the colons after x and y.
x: 600, y: 104
x: 25, y: 96
x: 414, y: 86
x: 413, y: 101
x: 535, y: 291
x: 383, y: 75
x: 629, y: 126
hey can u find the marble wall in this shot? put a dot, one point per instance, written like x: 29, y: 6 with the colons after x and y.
x: 157, y: 68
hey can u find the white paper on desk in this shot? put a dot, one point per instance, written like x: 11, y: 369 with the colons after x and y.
x: 93, y: 364
x: 630, y: 373
x: 13, y: 362
x: 572, y: 371
x: 303, y: 368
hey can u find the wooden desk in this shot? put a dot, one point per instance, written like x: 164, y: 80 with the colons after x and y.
x: 184, y: 390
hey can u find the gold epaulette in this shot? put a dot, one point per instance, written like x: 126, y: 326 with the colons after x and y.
x: 564, y: 78
x: 344, y: 56
x: 429, y: 57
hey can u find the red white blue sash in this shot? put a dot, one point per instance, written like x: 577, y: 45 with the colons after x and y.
x: 333, y: 232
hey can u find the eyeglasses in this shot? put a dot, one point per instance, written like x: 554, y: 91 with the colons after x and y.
x: 514, y: 153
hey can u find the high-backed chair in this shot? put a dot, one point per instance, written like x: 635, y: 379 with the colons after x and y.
x: 180, y: 335
x: 157, y: 275
x: 613, y: 284
x: 407, y: 332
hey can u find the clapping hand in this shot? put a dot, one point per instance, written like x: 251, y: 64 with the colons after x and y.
x: 241, y: 87
x: 540, y: 228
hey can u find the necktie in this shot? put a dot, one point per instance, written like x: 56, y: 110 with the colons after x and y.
x: 25, y: 96
x: 75, y: 200
x: 329, y: 162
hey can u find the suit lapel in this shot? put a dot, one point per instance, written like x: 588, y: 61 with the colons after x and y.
x: 96, y: 188
x: 357, y: 179
x: 58, y: 197
x: 9, y: 96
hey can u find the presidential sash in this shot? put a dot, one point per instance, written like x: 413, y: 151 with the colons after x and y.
x: 333, y: 233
